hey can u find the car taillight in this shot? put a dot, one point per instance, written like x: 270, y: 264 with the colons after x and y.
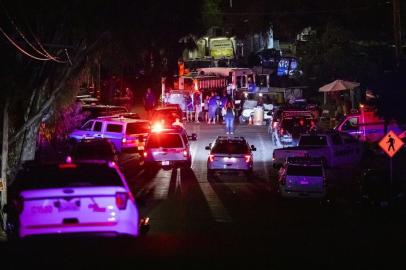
x: 275, y: 124
x: 124, y: 140
x: 211, y: 158
x: 247, y: 158
x: 121, y: 200
x: 185, y: 153
x: 145, y: 154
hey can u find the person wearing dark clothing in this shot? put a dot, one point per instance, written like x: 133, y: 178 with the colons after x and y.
x: 189, y: 107
x: 197, y: 103
x: 229, y: 119
x: 149, y: 102
x: 212, y: 108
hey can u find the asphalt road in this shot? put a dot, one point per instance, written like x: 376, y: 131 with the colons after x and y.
x: 230, y: 221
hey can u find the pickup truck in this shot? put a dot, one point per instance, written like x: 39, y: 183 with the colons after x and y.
x: 336, y: 149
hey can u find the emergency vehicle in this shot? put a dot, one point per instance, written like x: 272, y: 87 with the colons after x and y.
x: 302, y: 178
x: 366, y: 125
x: 287, y: 126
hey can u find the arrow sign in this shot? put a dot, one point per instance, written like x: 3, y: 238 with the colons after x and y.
x: 391, y: 144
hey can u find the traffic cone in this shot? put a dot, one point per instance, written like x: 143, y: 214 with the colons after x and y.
x: 250, y: 120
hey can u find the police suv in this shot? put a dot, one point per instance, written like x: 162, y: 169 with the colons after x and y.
x: 230, y: 154
x: 302, y: 177
x: 124, y: 133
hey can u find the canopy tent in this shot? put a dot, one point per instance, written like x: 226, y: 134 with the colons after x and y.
x: 339, y: 85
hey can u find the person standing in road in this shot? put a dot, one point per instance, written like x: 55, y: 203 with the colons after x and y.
x: 212, y: 108
x: 206, y: 109
x: 229, y: 118
x: 223, y: 105
x: 189, y: 107
x: 149, y: 102
x: 197, y: 103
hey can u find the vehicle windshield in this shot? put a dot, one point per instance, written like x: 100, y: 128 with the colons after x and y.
x: 296, y: 126
x: 230, y: 147
x: 313, y: 141
x: 298, y: 170
x: 159, y: 140
x: 136, y: 128
x: 93, y: 152
x: 78, y: 175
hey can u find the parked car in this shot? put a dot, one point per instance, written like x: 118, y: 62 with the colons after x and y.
x: 97, y: 110
x: 166, y: 115
x: 336, y: 149
x: 126, y: 134
x: 94, y: 150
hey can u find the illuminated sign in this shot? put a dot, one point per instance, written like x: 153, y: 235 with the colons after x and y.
x: 286, y: 66
x: 221, y: 48
x: 391, y: 143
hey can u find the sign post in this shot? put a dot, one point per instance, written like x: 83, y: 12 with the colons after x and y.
x: 391, y: 144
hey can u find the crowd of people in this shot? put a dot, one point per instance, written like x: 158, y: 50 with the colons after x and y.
x: 210, y: 108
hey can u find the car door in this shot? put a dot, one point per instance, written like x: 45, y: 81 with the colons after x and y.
x: 84, y: 131
x: 352, y: 147
x: 339, y: 152
x: 114, y: 132
x: 98, y: 129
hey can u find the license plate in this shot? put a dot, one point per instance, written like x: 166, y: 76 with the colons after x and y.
x: 69, y: 206
x: 304, y: 182
x: 140, y: 147
x: 165, y: 163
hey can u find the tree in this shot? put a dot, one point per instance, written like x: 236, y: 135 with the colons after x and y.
x: 390, y: 89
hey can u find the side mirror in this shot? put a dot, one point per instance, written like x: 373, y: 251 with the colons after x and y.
x: 207, y: 148
x: 253, y: 148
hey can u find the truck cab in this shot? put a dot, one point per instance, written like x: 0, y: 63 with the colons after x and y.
x: 366, y: 125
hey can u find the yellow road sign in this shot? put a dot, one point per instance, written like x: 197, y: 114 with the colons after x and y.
x: 391, y: 143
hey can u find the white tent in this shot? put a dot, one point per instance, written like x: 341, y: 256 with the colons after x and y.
x: 339, y: 85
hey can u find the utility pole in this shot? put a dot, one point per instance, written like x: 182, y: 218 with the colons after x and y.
x: 397, y: 31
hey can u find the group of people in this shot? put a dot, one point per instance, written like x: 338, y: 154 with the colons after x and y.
x: 212, y: 108
x: 217, y: 109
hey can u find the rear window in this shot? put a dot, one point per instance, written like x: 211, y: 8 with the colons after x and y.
x: 114, y: 128
x: 229, y: 147
x: 165, y: 141
x: 305, y: 170
x: 84, y: 175
x: 136, y: 128
x: 93, y: 151
x: 313, y: 140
